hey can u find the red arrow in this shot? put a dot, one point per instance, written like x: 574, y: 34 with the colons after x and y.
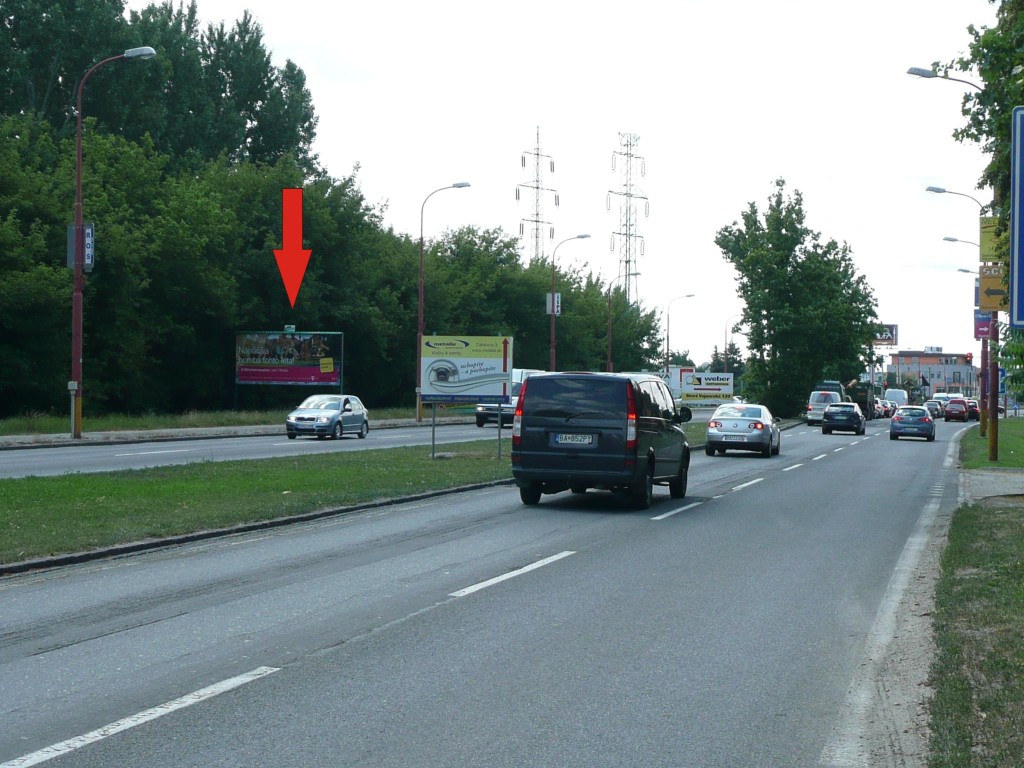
x: 292, y: 258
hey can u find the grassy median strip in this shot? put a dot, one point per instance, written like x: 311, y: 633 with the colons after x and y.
x: 977, y: 712
x: 44, y: 516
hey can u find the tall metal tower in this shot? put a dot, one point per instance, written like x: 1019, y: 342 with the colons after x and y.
x: 537, y: 185
x: 627, y: 235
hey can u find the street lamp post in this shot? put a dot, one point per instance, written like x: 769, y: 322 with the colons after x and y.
x: 668, y: 317
x: 986, y: 390
x: 77, y: 301
x: 608, y: 365
x: 551, y: 361
x: 928, y: 74
x: 420, y: 330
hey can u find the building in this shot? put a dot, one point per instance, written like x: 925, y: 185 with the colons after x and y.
x: 936, y: 371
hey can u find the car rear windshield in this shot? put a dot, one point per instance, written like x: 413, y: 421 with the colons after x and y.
x: 566, y: 398
x: 840, y: 407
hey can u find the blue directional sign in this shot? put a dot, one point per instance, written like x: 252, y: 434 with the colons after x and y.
x: 1017, y: 220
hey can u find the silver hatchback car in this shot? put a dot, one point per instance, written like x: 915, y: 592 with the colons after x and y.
x: 743, y: 427
x: 329, y: 416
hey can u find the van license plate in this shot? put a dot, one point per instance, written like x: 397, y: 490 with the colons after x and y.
x: 574, y: 439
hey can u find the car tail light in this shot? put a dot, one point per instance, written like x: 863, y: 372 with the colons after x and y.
x: 517, y: 419
x: 897, y: 418
x: 631, y: 442
x: 756, y: 425
x: 714, y: 424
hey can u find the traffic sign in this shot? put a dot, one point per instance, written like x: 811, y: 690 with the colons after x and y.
x: 1017, y: 219
x: 992, y: 297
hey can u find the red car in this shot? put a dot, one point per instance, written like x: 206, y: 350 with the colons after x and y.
x: 973, y: 410
x: 956, y: 410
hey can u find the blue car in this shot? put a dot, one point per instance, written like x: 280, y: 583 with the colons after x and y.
x: 912, y: 421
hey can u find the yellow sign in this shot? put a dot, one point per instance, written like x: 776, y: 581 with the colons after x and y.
x: 987, y: 250
x: 992, y: 289
x: 326, y: 365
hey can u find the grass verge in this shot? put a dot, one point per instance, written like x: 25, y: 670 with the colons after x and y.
x: 977, y: 710
x: 45, y: 516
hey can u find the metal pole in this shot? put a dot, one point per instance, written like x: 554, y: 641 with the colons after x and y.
x: 993, y: 389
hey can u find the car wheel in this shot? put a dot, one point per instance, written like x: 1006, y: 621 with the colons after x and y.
x: 863, y: 430
x: 643, y: 492
x: 291, y: 435
x: 767, y: 450
x: 931, y: 438
x: 677, y: 485
x: 709, y: 450
x: 336, y: 432
x: 778, y: 447
x: 480, y: 421
x: 530, y: 495
x: 826, y: 431
x: 893, y: 437
x: 364, y: 430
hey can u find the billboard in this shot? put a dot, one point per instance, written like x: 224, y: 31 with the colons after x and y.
x: 693, y: 387
x: 466, y: 369
x: 313, y: 358
x: 887, y: 336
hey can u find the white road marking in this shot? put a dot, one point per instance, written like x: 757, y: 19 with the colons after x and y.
x: 151, y: 453
x: 819, y: 457
x: 504, y: 577
x: 745, y: 485
x: 793, y: 467
x: 837, y: 450
x: 70, y: 745
x: 677, y: 511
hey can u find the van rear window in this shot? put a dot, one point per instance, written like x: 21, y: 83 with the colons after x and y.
x: 824, y: 397
x: 566, y: 398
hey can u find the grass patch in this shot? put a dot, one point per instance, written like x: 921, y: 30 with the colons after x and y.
x: 974, y: 447
x: 44, y: 516
x: 977, y: 711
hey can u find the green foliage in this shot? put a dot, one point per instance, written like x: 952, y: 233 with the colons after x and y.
x: 184, y: 160
x: 808, y: 313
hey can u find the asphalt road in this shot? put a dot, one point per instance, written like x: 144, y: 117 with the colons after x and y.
x: 139, y: 452
x: 725, y: 629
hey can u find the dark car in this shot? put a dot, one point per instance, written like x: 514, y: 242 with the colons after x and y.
x: 956, y: 410
x: 843, y: 417
x: 973, y: 410
x: 611, y: 431
x: 328, y: 416
x: 912, y: 421
x: 743, y: 427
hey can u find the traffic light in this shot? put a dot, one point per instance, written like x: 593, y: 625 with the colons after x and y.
x: 970, y: 357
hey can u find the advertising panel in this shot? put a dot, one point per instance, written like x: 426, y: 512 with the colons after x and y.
x: 888, y: 335
x: 466, y: 369
x: 693, y: 387
x: 289, y: 357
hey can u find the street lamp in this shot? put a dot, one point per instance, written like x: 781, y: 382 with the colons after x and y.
x: 420, y: 331
x: 551, y: 362
x: 944, y: 191
x: 77, y: 302
x: 608, y: 365
x: 668, y: 317
x: 928, y: 74
x: 986, y: 393
x: 725, y: 350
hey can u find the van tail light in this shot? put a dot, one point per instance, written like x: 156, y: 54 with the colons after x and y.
x: 517, y: 419
x: 808, y: 406
x: 631, y: 442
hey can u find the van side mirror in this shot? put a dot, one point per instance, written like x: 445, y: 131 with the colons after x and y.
x: 684, y: 414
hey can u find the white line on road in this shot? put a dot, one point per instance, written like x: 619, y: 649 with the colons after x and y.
x: 70, y: 745
x: 819, y: 457
x: 793, y: 467
x: 509, y: 575
x: 745, y: 485
x: 837, y: 450
x: 151, y: 453
x: 677, y: 511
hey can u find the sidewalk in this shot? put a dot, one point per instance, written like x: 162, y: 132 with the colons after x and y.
x: 977, y: 484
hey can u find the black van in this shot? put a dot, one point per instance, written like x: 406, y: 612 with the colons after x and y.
x: 619, y: 432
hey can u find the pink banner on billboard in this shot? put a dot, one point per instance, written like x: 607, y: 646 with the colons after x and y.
x: 272, y: 357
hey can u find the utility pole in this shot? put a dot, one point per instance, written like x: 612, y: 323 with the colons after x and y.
x: 627, y: 235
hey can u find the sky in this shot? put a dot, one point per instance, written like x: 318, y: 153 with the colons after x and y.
x: 723, y: 99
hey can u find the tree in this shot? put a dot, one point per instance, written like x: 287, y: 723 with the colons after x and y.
x: 809, y: 315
